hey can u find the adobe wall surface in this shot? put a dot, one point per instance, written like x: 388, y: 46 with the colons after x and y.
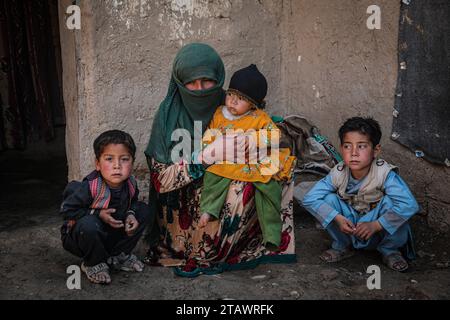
x: 320, y: 59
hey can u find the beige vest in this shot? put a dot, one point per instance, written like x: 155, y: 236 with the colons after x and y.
x: 372, y: 188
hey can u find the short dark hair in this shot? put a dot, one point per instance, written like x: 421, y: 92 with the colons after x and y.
x: 114, y: 137
x: 367, y: 126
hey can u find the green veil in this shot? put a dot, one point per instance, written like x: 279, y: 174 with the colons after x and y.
x: 181, y: 107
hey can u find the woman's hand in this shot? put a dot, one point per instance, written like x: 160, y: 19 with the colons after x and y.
x: 251, y: 148
x: 235, y: 148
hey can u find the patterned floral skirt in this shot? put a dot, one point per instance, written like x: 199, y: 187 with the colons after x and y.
x: 232, y: 242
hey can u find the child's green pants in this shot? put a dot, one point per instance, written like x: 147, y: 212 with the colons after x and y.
x: 267, y: 200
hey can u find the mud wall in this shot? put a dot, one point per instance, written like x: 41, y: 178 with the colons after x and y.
x: 334, y: 68
x: 320, y: 58
x: 123, y: 56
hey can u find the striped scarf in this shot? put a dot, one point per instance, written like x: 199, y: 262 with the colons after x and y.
x: 101, y: 193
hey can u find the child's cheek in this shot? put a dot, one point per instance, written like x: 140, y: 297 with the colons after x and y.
x: 108, y: 167
x: 227, y: 101
x: 128, y: 168
x: 346, y: 155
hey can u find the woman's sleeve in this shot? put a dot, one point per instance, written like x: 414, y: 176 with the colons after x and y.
x: 168, y: 177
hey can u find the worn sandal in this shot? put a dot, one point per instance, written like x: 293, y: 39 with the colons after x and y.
x: 97, y: 274
x: 333, y: 255
x: 126, y: 262
x: 151, y: 258
x: 396, y: 262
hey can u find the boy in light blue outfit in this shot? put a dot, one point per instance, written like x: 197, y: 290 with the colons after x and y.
x: 363, y: 203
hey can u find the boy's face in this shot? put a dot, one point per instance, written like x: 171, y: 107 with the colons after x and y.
x: 358, y: 153
x: 236, y: 104
x: 115, y: 164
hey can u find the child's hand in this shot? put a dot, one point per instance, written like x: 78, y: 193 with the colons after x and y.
x: 365, y: 230
x: 105, y: 216
x: 131, y: 224
x: 204, y: 219
x: 345, y: 225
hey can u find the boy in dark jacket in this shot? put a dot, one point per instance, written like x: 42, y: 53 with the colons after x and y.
x: 103, y: 219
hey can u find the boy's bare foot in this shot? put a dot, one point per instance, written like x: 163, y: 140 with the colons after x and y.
x: 97, y: 274
x: 204, y: 219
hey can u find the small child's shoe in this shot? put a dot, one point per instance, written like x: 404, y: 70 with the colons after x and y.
x: 126, y: 262
x: 152, y: 257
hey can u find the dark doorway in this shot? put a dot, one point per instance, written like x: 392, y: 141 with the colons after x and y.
x: 33, y: 166
x: 422, y: 104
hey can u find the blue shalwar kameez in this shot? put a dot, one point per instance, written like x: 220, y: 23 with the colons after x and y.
x: 392, y: 212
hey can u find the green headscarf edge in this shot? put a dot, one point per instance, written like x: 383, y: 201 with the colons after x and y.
x: 181, y: 107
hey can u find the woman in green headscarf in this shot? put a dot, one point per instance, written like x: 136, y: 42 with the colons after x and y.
x: 234, y: 240
x: 195, y: 65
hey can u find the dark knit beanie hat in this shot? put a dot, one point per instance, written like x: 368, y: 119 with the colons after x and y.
x: 251, y: 84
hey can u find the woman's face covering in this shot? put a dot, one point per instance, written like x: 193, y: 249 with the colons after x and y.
x: 200, y: 84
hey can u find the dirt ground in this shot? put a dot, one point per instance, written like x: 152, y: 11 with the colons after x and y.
x: 33, y: 263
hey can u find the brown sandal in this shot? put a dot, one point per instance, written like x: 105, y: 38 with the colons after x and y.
x: 98, y: 274
x: 333, y: 255
x: 396, y: 262
x: 152, y: 257
x: 126, y: 262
